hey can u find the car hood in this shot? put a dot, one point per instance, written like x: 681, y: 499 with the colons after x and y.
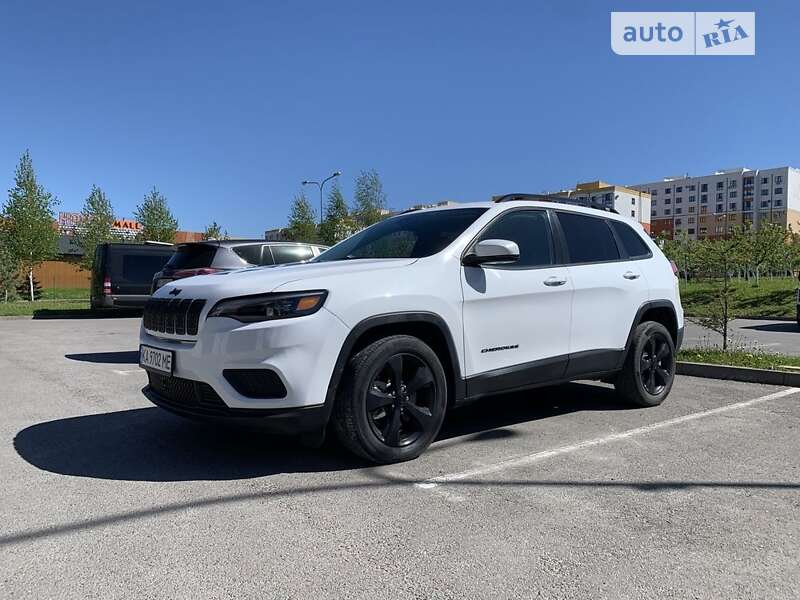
x: 260, y: 280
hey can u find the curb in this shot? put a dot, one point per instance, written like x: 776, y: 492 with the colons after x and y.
x: 738, y: 373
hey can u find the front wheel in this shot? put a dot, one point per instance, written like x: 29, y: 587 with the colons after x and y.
x: 392, y: 401
x: 649, y: 369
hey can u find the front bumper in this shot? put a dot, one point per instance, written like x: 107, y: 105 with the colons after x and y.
x: 301, y: 352
x: 202, y: 407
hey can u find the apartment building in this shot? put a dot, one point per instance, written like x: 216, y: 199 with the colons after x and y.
x: 279, y: 234
x: 713, y: 205
x: 634, y: 203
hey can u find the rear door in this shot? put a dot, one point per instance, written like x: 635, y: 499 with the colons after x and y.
x: 131, y: 268
x: 98, y: 271
x: 608, y: 290
x: 517, y: 316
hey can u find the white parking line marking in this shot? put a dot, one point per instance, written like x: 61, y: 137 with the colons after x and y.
x: 125, y: 372
x: 521, y: 461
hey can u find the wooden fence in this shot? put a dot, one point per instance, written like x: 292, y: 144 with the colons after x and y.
x: 61, y: 274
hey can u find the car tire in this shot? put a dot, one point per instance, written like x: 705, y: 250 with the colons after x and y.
x: 644, y: 381
x: 392, y: 400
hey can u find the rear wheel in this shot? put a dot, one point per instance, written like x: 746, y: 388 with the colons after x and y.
x: 649, y: 371
x: 392, y: 401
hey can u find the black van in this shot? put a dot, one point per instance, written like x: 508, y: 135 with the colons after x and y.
x: 123, y: 273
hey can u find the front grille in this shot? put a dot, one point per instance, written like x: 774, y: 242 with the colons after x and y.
x: 193, y: 398
x: 175, y: 316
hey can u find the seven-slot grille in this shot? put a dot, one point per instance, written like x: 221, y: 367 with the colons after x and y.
x: 175, y: 316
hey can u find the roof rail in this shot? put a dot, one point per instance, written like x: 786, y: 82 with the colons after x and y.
x: 558, y: 199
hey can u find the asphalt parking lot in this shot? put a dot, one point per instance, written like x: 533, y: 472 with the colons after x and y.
x: 556, y: 493
x: 782, y: 337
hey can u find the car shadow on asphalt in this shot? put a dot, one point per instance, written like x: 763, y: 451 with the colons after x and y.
x: 488, y: 418
x: 782, y: 327
x: 129, y: 357
x: 149, y: 444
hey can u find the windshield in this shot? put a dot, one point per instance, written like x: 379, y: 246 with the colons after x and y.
x: 413, y: 235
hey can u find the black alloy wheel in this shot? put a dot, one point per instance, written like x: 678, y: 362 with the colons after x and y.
x: 657, y: 364
x: 392, y: 400
x: 400, y: 400
x: 648, y: 372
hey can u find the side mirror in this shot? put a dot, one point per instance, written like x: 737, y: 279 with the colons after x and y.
x: 492, y: 251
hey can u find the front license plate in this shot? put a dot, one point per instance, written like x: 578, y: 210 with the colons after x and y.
x: 156, y: 359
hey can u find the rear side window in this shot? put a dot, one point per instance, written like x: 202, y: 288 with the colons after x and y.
x: 193, y: 256
x: 251, y: 254
x: 140, y: 268
x: 287, y: 254
x: 589, y: 239
x: 632, y: 242
x: 530, y: 230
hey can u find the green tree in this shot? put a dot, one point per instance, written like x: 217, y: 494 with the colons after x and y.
x: 28, y: 221
x: 97, y: 219
x: 720, y: 259
x: 9, y: 272
x: 158, y: 223
x: 683, y: 252
x: 338, y: 224
x: 214, y: 232
x: 303, y: 221
x: 763, y: 247
x: 370, y: 199
x: 787, y: 259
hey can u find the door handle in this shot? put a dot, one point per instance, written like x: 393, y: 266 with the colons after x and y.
x: 630, y: 275
x: 554, y: 281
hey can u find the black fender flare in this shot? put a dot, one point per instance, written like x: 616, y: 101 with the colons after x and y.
x: 638, y: 319
x: 394, y: 318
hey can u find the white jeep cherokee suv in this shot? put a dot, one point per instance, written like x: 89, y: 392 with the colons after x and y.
x: 387, y: 330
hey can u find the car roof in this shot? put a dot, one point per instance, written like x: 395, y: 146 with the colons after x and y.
x: 139, y: 245
x: 543, y: 203
x: 245, y: 242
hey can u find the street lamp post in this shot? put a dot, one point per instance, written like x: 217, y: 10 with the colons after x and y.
x: 321, y: 185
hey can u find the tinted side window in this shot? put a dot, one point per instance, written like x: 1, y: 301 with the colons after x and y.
x: 530, y: 229
x: 250, y: 254
x: 632, y: 242
x: 589, y: 239
x: 287, y: 254
x: 140, y: 268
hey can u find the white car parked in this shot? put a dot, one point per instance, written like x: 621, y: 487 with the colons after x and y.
x: 387, y: 330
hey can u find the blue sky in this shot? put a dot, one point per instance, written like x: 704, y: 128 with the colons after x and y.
x: 227, y: 106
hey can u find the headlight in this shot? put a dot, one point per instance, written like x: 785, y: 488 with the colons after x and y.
x: 268, y: 307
